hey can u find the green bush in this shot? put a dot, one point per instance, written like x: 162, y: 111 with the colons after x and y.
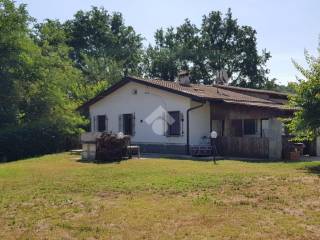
x: 33, y: 140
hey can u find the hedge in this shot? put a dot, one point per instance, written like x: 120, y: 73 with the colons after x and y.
x: 29, y: 141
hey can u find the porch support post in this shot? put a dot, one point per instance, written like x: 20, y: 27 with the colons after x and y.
x: 211, y: 118
x: 275, y: 139
x: 188, y: 124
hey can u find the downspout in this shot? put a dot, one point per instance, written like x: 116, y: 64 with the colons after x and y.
x: 188, y: 123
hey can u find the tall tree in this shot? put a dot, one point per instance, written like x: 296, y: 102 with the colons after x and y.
x: 220, y: 43
x: 16, y: 57
x: 104, y: 48
x: 38, y: 83
x: 306, y: 121
x: 55, y: 96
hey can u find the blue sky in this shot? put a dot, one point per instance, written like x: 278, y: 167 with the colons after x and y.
x: 285, y: 28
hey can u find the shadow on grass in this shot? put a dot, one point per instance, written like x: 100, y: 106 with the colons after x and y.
x: 99, y: 162
x: 180, y: 157
x: 210, y: 158
x: 254, y: 160
x: 244, y: 160
x: 196, y: 159
x: 313, y: 169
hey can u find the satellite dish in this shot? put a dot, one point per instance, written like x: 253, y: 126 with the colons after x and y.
x: 225, y: 76
x: 214, y: 134
x: 222, y: 77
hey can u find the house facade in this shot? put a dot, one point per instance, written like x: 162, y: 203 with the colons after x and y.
x: 173, y: 117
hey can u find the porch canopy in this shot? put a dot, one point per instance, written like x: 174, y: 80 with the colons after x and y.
x: 248, y: 129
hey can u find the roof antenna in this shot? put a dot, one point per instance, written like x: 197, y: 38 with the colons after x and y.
x: 183, y: 78
x: 222, y: 78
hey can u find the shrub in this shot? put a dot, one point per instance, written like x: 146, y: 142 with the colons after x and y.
x: 111, y: 147
x: 33, y: 140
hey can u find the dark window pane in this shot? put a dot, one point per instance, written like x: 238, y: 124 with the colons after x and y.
x: 174, y: 128
x: 236, y: 128
x: 101, y: 123
x: 127, y: 124
x: 249, y: 127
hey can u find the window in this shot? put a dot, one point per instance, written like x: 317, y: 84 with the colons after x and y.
x: 236, y: 128
x: 126, y: 124
x: 243, y: 127
x: 102, y: 123
x: 249, y: 127
x: 174, y: 129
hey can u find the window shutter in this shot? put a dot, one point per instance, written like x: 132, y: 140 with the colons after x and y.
x: 107, y: 123
x: 133, y: 124
x: 165, y: 124
x: 94, y: 124
x: 174, y: 129
x: 121, y: 123
x: 178, y: 126
x: 182, y: 122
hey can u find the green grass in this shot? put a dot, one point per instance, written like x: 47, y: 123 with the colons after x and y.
x: 58, y: 197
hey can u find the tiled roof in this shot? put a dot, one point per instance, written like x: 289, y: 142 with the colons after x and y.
x: 207, y: 92
x: 232, y: 95
x: 226, y: 94
x: 251, y: 90
x: 264, y: 105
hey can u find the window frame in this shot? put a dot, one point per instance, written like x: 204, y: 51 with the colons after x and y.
x: 248, y: 127
x: 171, y: 131
x: 131, y: 117
x: 104, y: 121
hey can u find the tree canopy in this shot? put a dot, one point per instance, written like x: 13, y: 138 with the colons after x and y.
x: 219, y: 43
x: 16, y: 56
x: 306, y: 121
x: 37, y: 84
x: 104, y: 48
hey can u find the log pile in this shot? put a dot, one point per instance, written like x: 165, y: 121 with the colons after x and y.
x: 112, y: 147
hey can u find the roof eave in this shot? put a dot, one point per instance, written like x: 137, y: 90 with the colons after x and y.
x: 283, y: 110
x: 128, y: 79
x: 150, y: 84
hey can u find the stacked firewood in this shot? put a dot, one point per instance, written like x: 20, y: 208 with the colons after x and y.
x: 112, y: 147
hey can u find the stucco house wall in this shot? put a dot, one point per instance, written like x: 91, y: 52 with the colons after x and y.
x: 199, y: 123
x: 145, y: 102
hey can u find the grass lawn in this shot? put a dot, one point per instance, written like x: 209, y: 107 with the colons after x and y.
x: 58, y: 197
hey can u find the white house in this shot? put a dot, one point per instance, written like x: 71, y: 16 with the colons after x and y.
x: 172, y: 117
